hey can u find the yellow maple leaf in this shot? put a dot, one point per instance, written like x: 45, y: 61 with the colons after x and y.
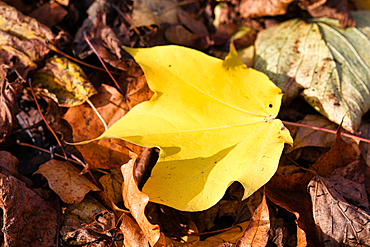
x: 213, y: 120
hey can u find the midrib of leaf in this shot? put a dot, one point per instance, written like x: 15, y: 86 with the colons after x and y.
x: 207, y: 129
x: 212, y: 164
x: 260, y: 156
x: 210, y: 96
x: 282, y: 48
x: 304, y: 52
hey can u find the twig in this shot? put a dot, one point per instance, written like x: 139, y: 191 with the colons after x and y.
x: 51, y: 130
x: 105, y: 67
x: 327, y: 130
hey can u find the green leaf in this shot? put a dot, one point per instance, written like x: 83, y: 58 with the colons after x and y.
x: 328, y: 65
x: 213, y: 120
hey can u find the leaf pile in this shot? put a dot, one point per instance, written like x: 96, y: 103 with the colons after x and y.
x: 187, y: 146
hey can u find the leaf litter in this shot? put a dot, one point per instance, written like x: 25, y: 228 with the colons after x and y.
x: 110, y: 222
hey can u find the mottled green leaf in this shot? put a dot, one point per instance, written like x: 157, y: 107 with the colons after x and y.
x: 328, y: 65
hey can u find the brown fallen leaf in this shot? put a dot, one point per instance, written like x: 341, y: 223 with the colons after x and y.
x: 49, y: 14
x: 257, y: 231
x: 337, y: 9
x: 86, y: 126
x: 64, y: 179
x: 339, y: 222
x: 136, y: 201
x: 149, y: 12
x: 14, y: 22
x: 88, y: 222
x: 28, y: 220
x: 180, y: 35
x: 289, y: 191
x: 22, y: 40
x: 133, y: 235
x: 256, y: 8
x: 8, y: 106
x: 112, y: 185
x: 228, y: 238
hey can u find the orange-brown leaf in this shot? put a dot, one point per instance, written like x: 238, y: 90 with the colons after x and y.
x: 64, y: 179
x: 136, y: 201
x: 257, y: 231
x: 27, y: 219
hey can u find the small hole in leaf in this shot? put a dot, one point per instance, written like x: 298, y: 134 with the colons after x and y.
x: 270, y: 105
x: 169, y: 65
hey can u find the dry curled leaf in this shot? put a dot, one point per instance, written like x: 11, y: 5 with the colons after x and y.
x: 257, y: 232
x: 28, y: 220
x: 136, y: 201
x: 64, y: 179
x: 339, y: 222
x: 257, y: 8
x: 8, y: 104
x: 88, y: 222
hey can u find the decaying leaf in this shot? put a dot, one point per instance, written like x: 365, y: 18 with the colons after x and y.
x: 22, y: 39
x: 14, y: 22
x: 64, y: 179
x: 290, y: 191
x: 340, y: 222
x: 133, y: 235
x: 88, y: 222
x: 257, y: 232
x: 136, y: 201
x: 337, y: 9
x: 112, y: 185
x: 203, y: 125
x: 149, y: 12
x: 27, y: 219
x: 63, y: 81
x: 8, y: 105
x: 253, y: 8
x: 86, y: 125
x: 328, y: 65
x: 49, y: 14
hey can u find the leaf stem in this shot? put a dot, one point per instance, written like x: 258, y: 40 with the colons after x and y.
x: 101, y: 61
x: 42, y: 115
x: 326, y: 130
x: 98, y: 114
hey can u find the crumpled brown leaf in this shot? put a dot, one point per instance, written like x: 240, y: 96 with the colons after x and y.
x: 257, y: 232
x: 340, y: 222
x: 49, y: 14
x: 86, y: 125
x: 64, y: 179
x: 28, y: 220
x: 14, y: 22
x: 8, y: 104
x: 149, y: 12
x: 87, y: 223
x: 289, y: 191
x: 136, y: 201
x: 336, y: 9
x: 112, y: 185
x: 22, y: 40
x: 257, y: 8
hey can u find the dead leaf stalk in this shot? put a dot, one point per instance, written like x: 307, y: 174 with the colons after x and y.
x: 101, y: 61
x: 358, y: 138
x: 55, y: 49
x: 42, y: 115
